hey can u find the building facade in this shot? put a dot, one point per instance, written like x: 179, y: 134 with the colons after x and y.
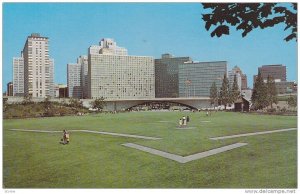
x: 166, y: 75
x: 196, y: 78
x: 83, y: 62
x: 38, y: 67
x: 74, y: 80
x: 114, y: 75
x: 61, y: 91
x: 18, y: 76
x: 286, y: 87
x: 277, y: 72
x: 235, y: 72
x: 244, y: 83
x: 107, y: 46
x: 9, y: 91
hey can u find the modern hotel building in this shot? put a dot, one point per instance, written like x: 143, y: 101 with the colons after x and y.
x: 115, y: 75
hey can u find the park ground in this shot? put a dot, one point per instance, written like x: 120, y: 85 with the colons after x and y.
x: 37, y: 160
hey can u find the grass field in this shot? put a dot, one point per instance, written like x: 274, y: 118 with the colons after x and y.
x: 37, y: 160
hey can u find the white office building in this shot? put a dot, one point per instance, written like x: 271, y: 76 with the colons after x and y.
x: 107, y: 46
x: 38, y: 67
x: 18, y: 76
x: 115, y: 75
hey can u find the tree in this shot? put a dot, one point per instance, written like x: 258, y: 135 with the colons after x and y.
x: 48, y: 107
x: 292, y: 101
x: 98, y: 103
x: 224, y: 92
x: 259, y: 95
x: 213, y: 94
x: 27, y: 100
x: 271, y: 91
x: 76, y: 103
x: 234, y: 91
x: 248, y: 16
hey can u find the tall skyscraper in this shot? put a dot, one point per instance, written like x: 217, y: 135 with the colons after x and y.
x: 74, y: 80
x: 166, y: 75
x: 236, y: 71
x: 78, y: 78
x: 83, y: 62
x: 18, y: 76
x: 196, y: 78
x: 244, y: 83
x: 38, y: 67
x: 115, y: 75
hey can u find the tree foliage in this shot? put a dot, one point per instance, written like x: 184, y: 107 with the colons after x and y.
x: 76, y: 103
x: 213, y: 94
x: 225, y: 92
x: 249, y: 16
x: 271, y: 91
x: 234, y: 90
x: 98, y: 103
x: 259, y: 95
x: 292, y: 101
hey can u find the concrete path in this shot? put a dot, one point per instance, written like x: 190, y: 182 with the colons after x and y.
x: 250, y: 134
x: 185, y: 127
x: 119, y: 134
x: 38, y: 131
x: 88, y: 131
x: 184, y: 159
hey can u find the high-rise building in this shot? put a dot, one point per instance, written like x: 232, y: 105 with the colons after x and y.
x: 83, y: 62
x: 196, y: 78
x: 38, y: 67
x: 166, y: 75
x: 277, y: 72
x: 107, y: 46
x: 9, y: 89
x: 236, y: 71
x: 78, y: 78
x: 115, y: 75
x: 74, y: 80
x: 18, y: 76
x: 244, y: 83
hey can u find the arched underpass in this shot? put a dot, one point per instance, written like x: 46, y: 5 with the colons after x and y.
x: 193, y: 103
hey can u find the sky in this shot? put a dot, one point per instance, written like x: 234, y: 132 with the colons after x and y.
x: 145, y: 29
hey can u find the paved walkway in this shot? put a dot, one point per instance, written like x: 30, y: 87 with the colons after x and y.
x: 119, y: 134
x: 37, y: 131
x: 185, y: 127
x: 250, y: 134
x: 88, y: 131
x: 184, y: 159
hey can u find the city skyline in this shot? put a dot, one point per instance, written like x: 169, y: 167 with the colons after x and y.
x: 181, y: 33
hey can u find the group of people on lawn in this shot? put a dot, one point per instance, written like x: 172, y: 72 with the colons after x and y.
x: 183, y: 121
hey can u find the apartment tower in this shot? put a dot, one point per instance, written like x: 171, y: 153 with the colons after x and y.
x: 38, y: 67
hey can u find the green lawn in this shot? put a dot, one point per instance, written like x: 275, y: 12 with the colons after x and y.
x: 37, y: 160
